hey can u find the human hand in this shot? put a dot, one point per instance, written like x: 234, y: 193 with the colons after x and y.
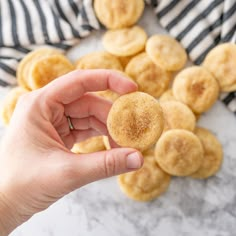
x: 36, y: 164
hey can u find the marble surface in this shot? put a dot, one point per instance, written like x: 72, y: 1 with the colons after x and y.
x: 189, y: 208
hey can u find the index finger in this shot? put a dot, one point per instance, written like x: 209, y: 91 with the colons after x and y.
x: 72, y: 86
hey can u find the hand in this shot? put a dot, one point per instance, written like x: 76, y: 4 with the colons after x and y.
x: 36, y: 164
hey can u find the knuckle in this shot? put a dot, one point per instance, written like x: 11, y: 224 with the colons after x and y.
x: 109, y: 164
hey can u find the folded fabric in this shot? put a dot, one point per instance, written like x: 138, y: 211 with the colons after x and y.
x: 24, y: 25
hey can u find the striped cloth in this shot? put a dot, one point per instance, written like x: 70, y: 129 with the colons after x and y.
x: 26, y: 24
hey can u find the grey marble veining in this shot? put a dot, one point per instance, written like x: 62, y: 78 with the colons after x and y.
x: 189, y: 208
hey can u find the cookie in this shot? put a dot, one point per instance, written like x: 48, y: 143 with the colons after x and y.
x: 166, y: 52
x: 10, y: 102
x: 196, y: 87
x: 213, y: 154
x: 47, y: 69
x: 119, y: 13
x: 150, y: 78
x: 147, y: 183
x: 125, y: 42
x: 178, y: 116
x: 108, y: 94
x: 167, y: 96
x: 135, y: 120
x: 99, y: 60
x: 221, y: 62
x: 94, y: 144
x: 25, y: 64
x: 106, y: 142
x: 179, y: 152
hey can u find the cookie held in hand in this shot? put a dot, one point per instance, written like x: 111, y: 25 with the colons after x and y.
x: 135, y: 120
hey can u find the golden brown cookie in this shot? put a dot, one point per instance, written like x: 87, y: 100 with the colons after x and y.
x: 179, y: 152
x: 150, y: 78
x: 108, y: 94
x: 10, y: 102
x: 213, y: 154
x: 25, y: 64
x: 147, y: 183
x: 99, y: 60
x: 135, y: 120
x: 166, y: 52
x: 125, y: 42
x: 178, y: 116
x: 196, y: 87
x: 221, y: 62
x: 106, y: 142
x: 47, y: 69
x: 94, y: 144
x: 119, y: 13
x: 167, y: 96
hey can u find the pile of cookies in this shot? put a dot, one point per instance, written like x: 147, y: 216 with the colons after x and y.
x: 164, y: 129
x: 160, y: 119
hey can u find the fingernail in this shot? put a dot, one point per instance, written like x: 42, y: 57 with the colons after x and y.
x: 134, y: 161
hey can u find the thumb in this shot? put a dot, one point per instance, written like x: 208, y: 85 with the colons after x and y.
x: 86, y: 168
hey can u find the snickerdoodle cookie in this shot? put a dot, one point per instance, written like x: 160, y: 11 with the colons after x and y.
x: 221, y: 62
x: 167, y: 96
x: 10, y: 102
x: 178, y: 116
x: 146, y: 183
x: 197, y: 88
x: 166, y: 52
x: 125, y: 42
x: 213, y: 154
x: 119, y: 13
x: 26, y: 63
x: 47, y: 69
x: 94, y: 144
x: 99, y: 60
x: 179, y: 152
x: 150, y: 78
x: 135, y: 120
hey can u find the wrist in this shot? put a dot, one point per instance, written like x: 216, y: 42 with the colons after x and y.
x: 9, y: 218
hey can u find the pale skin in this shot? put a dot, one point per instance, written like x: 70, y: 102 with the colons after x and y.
x: 36, y: 165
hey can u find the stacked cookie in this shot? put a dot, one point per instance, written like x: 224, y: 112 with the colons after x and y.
x: 37, y: 69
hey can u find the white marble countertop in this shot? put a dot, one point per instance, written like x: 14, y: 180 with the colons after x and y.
x: 189, y: 208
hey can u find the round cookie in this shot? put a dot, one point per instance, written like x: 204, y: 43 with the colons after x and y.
x: 99, y: 60
x: 166, y: 52
x: 178, y: 116
x: 26, y: 63
x: 213, y: 154
x: 196, y: 87
x: 179, y: 152
x: 119, y: 13
x: 135, y: 120
x: 150, y: 78
x: 125, y: 42
x: 10, y: 102
x: 221, y: 62
x: 94, y: 144
x: 167, y: 96
x: 47, y: 69
x: 147, y: 183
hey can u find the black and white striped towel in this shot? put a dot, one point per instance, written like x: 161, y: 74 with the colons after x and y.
x: 25, y: 24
